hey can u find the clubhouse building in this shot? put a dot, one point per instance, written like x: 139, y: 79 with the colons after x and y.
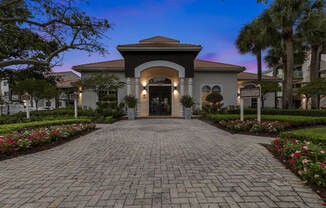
x: 158, y: 71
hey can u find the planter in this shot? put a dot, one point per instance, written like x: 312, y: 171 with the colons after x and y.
x: 131, y: 114
x: 187, y: 113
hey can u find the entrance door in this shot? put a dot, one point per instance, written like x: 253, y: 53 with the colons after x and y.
x: 160, y: 100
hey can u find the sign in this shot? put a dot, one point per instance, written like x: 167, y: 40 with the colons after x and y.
x: 73, y: 96
x: 26, y: 97
x: 250, y: 92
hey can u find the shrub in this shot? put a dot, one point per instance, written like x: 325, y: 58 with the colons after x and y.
x: 36, y: 137
x: 254, y: 126
x: 295, y: 121
x: 9, y: 128
x: 315, y: 135
x: 187, y: 101
x: 304, y: 158
x: 131, y: 101
x: 271, y: 111
x: 214, y: 97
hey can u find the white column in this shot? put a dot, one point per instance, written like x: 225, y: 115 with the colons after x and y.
x: 182, y: 86
x: 241, y: 109
x: 259, y: 109
x: 190, y: 87
x: 137, y: 95
x: 128, y: 86
x: 182, y: 92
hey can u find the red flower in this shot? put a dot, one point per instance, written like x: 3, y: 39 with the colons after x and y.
x: 3, y: 148
x: 277, y: 146
x: 281, y: 150
x: 293, y: 169
x: 323, y: 164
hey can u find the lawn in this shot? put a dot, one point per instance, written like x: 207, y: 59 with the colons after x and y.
x: 315, y: 135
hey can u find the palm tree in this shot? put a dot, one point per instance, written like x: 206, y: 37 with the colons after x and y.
x: 313, y: 29
x: 253, y: 39
x: 285, y: 15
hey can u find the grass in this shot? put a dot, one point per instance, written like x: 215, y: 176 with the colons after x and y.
x: 295, y: 121
x: 9, y: 128
x: 315, y: 135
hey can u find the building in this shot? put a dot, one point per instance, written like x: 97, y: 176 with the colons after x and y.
x: 158, y: 71
x: 65, y: 83
x: 301, y: 75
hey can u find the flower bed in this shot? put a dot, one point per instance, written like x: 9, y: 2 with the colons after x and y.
x: 306, y: 159
x: 29, y: 139
x: 254, y: 126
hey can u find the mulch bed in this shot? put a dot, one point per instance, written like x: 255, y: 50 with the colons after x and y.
x: 45, y: 146
x: 319, y: 190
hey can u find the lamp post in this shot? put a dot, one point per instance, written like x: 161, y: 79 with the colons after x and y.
x: 75, y: 98
x: 27, y: 99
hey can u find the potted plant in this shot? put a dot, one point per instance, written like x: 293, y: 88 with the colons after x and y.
x: 187, y: 102
x: 131, y: 102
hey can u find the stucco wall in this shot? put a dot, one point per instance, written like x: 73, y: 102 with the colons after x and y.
x: 89, y: 97
x: 226, y: 80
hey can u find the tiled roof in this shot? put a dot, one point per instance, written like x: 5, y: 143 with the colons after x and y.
x: 105, y: 64
x: 199, y: 64
x: 158, y: 41
x: 252, y: 76
x: 66, y: 84
x: 210, y: 64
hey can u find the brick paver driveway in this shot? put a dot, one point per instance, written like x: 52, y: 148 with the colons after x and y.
x: 153, y: 163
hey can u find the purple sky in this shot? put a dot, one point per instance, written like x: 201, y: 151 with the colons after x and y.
x: 214, y: 24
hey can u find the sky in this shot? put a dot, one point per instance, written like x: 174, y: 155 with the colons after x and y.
x: 214, y: 24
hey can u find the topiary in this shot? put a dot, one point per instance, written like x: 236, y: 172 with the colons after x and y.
x: 214, y: 97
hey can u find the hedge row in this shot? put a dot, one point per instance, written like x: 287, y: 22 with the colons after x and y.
x: 315, y: 135
x: 295, y: 121
x: 270, y: 111
x: 8, y: 128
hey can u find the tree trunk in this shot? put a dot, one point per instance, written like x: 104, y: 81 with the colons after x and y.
x: 36, y: 104
x: 314, y: 73
x: 259, y: 65
x: 275, y: 72
x: 289, y: 51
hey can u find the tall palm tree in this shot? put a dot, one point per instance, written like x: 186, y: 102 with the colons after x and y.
x: 313, y: 30
x: 253, y: 39
x: 285, y: 15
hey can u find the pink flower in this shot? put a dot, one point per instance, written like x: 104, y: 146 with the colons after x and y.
x: 281, y: 150
x: 304, y: 161
x: 305, y: 147
x: 323, y: 164
x: 323, y: 152
x: 277, y: 146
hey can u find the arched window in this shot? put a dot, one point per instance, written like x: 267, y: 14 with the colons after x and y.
x: 216, y: 88
x: 205, y: 90
x: 159, y: 80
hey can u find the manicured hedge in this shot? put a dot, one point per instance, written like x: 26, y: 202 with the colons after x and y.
x: 9, y: 128
x: 270, y: 111
x: 293, y: 120
x: 315, y: 135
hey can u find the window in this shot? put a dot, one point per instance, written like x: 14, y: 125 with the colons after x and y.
x: 216, y: 88
x: 6, y: 94
x: 108, y: 95
x: 159, y: 80
x: 5, y: 83
x: 254, y: 102
x: 48, y: 104
x: 102, y: 95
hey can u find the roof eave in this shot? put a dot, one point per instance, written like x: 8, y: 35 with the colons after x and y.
x: 215, y: 69
x: 78, y: 69
x: 123, y: 48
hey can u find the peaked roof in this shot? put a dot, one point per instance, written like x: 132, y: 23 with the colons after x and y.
x: 161, y: 39
x: 160, y: 42
x: 247, y: 76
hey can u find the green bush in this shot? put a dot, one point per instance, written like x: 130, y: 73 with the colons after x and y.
x: 131, y: 101
x: 8, y: 128
x: 315, y: 135
x: 187, y: 101
x: 271, y: 111
x: 295, y: 121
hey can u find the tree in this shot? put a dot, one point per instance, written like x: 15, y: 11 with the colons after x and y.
x: 102, y: 82
x: 253, y: 38
x: 37, y: 89
x: 36, y: 32
x: 313, y: 29
x: 285, y: 15
x: 316, y: 87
